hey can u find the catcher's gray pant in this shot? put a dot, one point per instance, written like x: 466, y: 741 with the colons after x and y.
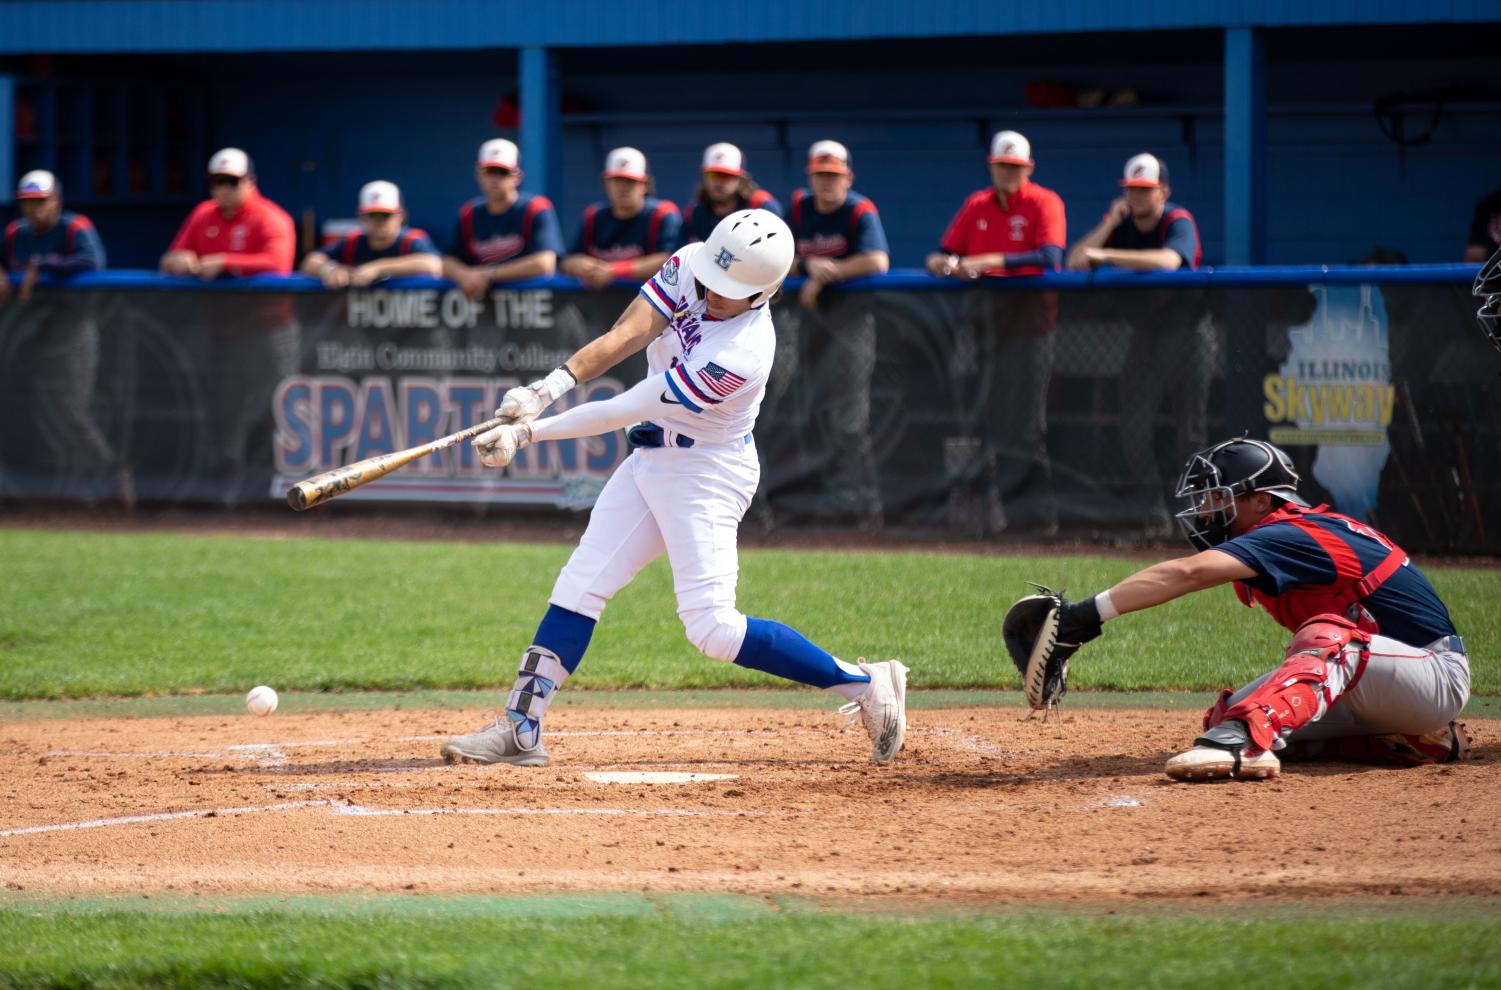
x: 1406, y: 689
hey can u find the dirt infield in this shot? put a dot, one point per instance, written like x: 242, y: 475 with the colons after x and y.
x: 981, y: 806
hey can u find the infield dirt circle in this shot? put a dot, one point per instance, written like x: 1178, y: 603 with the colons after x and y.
x: 981, y: 806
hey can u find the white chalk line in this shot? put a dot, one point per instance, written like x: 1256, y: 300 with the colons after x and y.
x: 164, y: 816
x: 653, y: 776
x: 581, y: 733
x: 359, y: 811
x: 343, y: 808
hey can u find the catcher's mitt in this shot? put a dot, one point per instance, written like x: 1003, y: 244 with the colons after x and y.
x: 1041, y: 632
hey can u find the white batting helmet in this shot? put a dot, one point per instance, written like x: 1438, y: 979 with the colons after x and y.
x: 748, y: 254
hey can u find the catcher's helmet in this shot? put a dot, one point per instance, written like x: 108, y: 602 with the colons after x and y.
x: 1487, y: 289
x: 1215, y: 475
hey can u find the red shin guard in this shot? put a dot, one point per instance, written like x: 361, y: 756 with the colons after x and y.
x: 1297, y: 691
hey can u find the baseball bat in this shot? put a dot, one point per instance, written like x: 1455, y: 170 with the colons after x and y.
x: 331, y: 484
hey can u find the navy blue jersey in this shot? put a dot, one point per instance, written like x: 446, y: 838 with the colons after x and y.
x: 1176, y: 230
x: 657, y: 228
x: 72, y: 245
x: 354, y: 247
x: 485, y: 238
x: 1289, y: 560
x: 854, y: 228
x: 699, y: 221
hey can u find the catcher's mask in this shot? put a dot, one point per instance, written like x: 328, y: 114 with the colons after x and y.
x: 1214, y: 476
x: 1487, y: 289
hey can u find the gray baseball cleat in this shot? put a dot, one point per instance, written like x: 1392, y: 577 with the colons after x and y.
x: 496, y: 743
x: 882, y: 708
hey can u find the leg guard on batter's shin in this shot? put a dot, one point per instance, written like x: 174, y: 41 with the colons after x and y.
x: 1313, y: 674
x: 540, y: 675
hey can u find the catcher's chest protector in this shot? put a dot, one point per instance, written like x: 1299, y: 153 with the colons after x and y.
x: 1352, y: 583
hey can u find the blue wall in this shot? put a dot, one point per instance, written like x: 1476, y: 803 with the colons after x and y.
x: 916, y: 120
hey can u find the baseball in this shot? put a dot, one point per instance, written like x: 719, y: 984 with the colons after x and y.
x: 260, y: 701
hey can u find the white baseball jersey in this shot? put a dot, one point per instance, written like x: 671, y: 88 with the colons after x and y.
x: 716, y: 369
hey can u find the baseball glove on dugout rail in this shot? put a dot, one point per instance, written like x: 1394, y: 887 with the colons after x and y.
x: 1041, y: 632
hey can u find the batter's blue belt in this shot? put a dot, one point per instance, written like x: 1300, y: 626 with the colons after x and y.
x: 1447, y: 644
x: 649, y: 434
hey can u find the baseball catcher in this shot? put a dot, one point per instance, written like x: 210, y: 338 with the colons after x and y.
x: 1375, y: 671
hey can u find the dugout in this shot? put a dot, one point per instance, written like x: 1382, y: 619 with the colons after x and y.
x: 1295, y: 136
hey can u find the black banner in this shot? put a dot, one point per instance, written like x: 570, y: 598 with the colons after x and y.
x: 967, y: 413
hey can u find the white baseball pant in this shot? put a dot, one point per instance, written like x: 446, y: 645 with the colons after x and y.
x: 687, y: 501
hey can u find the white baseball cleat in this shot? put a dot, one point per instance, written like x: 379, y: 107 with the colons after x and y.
x: 1214, y: 763
x: 882, y: 708
x: 496, y: 743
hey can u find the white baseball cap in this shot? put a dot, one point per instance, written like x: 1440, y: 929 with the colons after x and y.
x: 1010, y: 148
x: 724, y: 157
x: 828, y: 156
x: 1144, y: 171
x: 500, y: 153
x: 36, y: 184
x: 230, y: 161
x: 625, y: 163
x: 380, y: 196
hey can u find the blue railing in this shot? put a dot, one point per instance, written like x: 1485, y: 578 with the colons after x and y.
x: 904, y: 279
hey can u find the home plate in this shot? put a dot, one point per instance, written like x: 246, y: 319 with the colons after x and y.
x: 653, y: 777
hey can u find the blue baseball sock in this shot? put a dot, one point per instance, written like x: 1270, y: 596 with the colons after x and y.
x: 556, y: 651
x: 782, y: 651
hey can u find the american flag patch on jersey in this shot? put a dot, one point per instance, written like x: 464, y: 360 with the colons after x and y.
x: 720, y: 381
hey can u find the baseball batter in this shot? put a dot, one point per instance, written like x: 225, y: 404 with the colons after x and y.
x: 707, y: 330
x: 1375, y: 671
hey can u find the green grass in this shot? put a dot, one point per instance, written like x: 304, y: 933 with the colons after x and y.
x: 85, y: 614
x: 707, y: 942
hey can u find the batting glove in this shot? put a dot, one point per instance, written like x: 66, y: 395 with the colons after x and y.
x: 497, y: 447
x: 525, y: 403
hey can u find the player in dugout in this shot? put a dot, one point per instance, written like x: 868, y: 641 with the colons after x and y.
x: 504, y: 234
x: 384, y: 246
x: 727, y: 188
x: 631, y: 233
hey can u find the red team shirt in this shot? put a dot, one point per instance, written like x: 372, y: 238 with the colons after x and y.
x: 257, y: 239
x: 1031, y: 218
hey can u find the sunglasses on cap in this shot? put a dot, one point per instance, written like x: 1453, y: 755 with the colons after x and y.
x: 215, y: 181
x: 497, y: 170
